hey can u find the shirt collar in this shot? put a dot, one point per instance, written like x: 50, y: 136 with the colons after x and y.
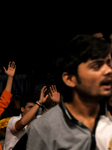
x: 103, y: 111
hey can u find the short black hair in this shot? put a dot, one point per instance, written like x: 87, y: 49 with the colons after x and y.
x: 80, y: 49
x: 27, y: 98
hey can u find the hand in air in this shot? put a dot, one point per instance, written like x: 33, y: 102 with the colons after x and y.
x: 43, y: 98
x: 11, y: 69
x: 54, y: 95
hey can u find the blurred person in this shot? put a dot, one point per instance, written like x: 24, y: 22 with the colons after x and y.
x: 51, y: 101
x: 80, y: 120
x: 18, y: 125
x: 6, y: 95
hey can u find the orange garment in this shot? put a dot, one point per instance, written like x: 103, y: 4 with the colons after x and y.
x: 4, y: 102
x: 0, y: 147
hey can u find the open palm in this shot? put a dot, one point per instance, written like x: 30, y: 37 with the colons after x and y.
x: 55, y: 95
x: 11, y: 69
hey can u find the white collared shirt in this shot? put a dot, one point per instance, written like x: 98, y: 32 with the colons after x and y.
x: 12, y: 135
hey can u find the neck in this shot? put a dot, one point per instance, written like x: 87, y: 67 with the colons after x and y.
x: 85, y: 110
x: 80, y: 107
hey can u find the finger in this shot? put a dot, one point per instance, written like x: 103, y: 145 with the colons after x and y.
x: 13, y: 64
x: 43, y: 91
x: 43, y: 88
x: 51, y: 90
x: 55, y: 88
x: 50, y: 95
x: 46, y: 97
x: 9, y: 64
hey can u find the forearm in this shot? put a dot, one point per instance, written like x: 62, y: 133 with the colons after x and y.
x: 27, y: 118
x: 9, y: 84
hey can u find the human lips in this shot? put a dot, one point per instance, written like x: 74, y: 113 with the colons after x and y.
x: 107, y: 83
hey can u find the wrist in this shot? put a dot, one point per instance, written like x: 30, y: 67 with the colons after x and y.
x: 9, y: 76
x: 39, y: 103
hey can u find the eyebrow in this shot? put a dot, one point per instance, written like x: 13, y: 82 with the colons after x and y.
x: 99, y: 61
x: 96, y: 61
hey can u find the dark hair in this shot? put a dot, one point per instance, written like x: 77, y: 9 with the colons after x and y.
x: 27, y: 98
x: 80, y: 49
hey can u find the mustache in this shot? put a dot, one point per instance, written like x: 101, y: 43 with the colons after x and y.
x: 107, y: 80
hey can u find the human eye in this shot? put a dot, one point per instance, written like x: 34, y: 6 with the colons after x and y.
x: 30, y: 107
x: 96, y: 66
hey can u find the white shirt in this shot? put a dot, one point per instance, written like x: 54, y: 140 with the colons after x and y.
x: 104, y: 133
x: 12, y: 135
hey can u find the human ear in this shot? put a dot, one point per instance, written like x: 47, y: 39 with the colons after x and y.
x: 22, y: 109
x: 69, y: 80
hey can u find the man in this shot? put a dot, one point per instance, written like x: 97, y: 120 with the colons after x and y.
x: 52, y: 100
x: 83, y: 77
x: 17, y: 125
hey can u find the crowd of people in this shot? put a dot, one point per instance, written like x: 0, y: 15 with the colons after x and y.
x: 76, y: 113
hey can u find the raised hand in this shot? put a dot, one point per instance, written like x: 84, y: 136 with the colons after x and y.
x: 42, y: 97
x: 54, y: 95
x: 11, y: 69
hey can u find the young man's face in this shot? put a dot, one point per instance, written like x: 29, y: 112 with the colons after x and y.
x: 28, y: 106
x: 94, y: 77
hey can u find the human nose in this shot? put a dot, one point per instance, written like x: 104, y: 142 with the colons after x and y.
x: 108, y: 70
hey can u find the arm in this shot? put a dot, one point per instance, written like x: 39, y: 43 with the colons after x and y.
x: 26, y: 119
x: 6, y: 95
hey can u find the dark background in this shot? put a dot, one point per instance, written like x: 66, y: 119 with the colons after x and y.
x: 30, y: 33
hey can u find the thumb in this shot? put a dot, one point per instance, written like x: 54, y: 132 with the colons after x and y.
x: 50, y: 95
x: 46, y: 97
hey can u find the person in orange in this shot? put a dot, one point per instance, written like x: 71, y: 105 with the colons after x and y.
x: 6, y: 94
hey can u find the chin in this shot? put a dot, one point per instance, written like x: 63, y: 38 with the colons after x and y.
x: 105, y: 96
x: 107, y: 93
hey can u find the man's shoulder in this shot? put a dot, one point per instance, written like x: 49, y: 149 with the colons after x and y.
x: 51, y: 113
x: 48, y: 117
